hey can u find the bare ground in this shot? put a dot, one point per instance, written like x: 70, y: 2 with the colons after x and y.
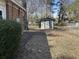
x: 64, y: 44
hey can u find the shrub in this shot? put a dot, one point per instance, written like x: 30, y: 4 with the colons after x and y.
x: 61, y: 24
x: 10, y: 34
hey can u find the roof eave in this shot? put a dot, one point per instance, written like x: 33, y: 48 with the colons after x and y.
x: 18, y: 5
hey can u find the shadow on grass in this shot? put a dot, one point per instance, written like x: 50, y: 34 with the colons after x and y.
x: 54, y: 35
x: 33, y: 45
x: 66, y: 57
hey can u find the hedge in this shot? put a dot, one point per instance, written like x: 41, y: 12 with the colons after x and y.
x: 10, y: 34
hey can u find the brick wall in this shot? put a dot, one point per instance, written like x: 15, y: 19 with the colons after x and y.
x: 14, y: 12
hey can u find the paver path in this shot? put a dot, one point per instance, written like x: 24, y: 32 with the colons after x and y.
x: 33, y: 45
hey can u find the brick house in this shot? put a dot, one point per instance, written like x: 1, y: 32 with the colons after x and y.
x: 10, y: 9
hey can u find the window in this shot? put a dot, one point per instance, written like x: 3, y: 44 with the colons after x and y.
x: 0, y: 14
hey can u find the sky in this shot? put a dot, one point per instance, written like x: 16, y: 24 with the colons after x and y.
x: 56, y: 8
x: 70, y: 1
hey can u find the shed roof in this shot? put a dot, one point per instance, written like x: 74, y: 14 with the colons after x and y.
x: 47, y: 19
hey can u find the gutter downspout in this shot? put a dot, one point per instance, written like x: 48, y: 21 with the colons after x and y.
x: 7, y: 10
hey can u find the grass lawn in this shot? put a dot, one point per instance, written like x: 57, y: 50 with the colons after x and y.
x: 64, y: 44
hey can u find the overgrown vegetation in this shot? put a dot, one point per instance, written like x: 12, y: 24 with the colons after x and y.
x: 74, y: 10
x: 10, y: 34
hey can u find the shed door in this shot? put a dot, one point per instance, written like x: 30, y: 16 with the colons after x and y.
x: 47, y: 25
x: 42, y: 25
x: 52, y: 25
